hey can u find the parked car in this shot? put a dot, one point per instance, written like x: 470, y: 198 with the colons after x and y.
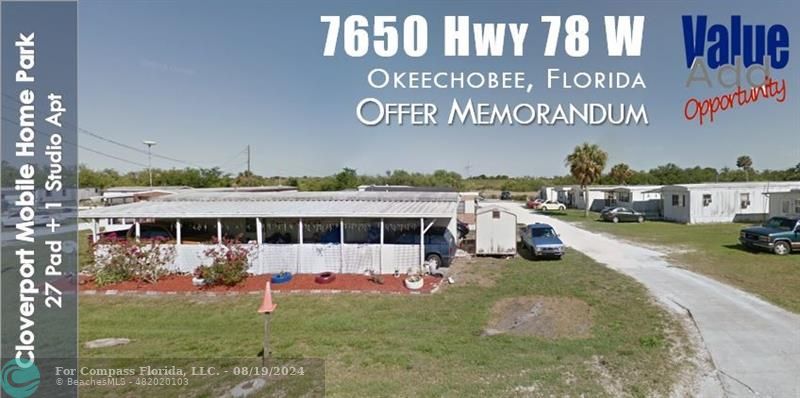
x: 542, y: 241
x: 621, y: 214
x: 534, y: 203
x: 780, y: 235
x: 505, y: 195
x: 552, y: 205
x: 440, y: 246
x: 150, y: 231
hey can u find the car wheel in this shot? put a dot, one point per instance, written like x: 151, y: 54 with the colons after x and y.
x: 781, y: 248
x: 640, y: 219
x: 435, y: 259
x: 615, y: 220
x: 562, y: 208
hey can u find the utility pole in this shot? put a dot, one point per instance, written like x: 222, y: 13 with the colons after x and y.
x: 248, y: 159
x: 149, y: 159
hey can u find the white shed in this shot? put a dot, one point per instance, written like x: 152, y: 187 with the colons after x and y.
x: 720, y: 202
x: 496, y: 232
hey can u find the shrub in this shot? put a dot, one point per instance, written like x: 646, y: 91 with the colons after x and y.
x: 229, y: 263
x: 120, y: 259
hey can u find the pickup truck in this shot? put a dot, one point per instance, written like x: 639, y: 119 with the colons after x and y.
x: 542, y: 241
x: 780, y: 235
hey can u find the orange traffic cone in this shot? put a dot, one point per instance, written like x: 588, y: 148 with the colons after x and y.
x: 266, y: 304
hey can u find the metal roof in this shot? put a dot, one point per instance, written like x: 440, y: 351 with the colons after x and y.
x: 286, y: 205
x: 764, y: 185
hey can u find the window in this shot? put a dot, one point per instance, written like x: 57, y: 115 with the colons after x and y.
x: 797, y: 206
x: 683, y: 200
x: 495, y: 214
x: 786, y: 205
x: 625, y: 197
x: 706, y: 199
x: 744, y: 200
x: 675, y: 200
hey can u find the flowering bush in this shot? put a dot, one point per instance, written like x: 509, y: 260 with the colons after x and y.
x: 121, y: 259
x: 229, y: 263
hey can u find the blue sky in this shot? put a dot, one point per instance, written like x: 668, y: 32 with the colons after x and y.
x: 207, y: 78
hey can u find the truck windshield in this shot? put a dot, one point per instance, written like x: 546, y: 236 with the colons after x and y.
x: 542, y: 232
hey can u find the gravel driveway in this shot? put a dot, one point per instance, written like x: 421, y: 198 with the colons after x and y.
x: 754, y: 345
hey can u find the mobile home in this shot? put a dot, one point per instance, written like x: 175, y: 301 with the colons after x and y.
x: 784, y: 204
x: 642, y: 198
x: 720, y: 202
x: 600, y: 196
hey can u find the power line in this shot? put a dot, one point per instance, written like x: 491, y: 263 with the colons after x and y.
x: 115, y: 142
x: 91, y: 150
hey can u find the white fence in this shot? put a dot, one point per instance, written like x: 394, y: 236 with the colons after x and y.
x: 310, y: 258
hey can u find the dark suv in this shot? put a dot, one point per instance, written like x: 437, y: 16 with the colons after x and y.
x: 440, y: 246
x: 779, y: 235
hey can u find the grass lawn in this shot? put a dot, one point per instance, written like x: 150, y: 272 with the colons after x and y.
x: 713, y: 250
x: 382, y: 345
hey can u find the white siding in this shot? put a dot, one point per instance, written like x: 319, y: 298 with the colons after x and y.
x: 723, y: 202
x: 645, y: 199
x: 597, y: 200
x: 784, y: 204
x: 680, y: 212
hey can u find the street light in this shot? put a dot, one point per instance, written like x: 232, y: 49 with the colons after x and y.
x: 149, y: 159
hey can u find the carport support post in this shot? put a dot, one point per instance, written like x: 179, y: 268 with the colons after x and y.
x: 178, y: 231
x: 137, y: 229
x: 259, y: 231
x: 380, y: 262
x: 341, y: 245
x: 422, y: 230
x: 300, y: 244
x: 94, y: 230
x: 421, y: 243
x: 219, y: 231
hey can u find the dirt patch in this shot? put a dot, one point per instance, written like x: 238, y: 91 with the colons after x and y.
x: 476, y: 271
x: 540, y: 316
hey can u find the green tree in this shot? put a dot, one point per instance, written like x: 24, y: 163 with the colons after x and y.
x: 745, y: 163
x: 621, y: 173
x: 346, y: 179
x: 586, y: 164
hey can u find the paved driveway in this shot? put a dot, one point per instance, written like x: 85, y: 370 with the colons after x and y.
x: 754, y: 345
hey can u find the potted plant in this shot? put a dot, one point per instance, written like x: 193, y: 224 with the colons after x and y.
x: 197, y: 276
x: 414, y: 282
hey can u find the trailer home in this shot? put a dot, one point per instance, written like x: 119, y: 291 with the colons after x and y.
x: 642, y: 198
x: 784, y: 204
x: 720, y: 202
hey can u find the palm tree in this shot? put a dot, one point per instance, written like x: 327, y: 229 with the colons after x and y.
x: 745, y: 163
x: 586, y: 164
x: 621, y: 173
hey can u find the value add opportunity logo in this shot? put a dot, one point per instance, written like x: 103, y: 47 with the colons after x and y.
x: 18, y: 381
x: 740, y: 58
